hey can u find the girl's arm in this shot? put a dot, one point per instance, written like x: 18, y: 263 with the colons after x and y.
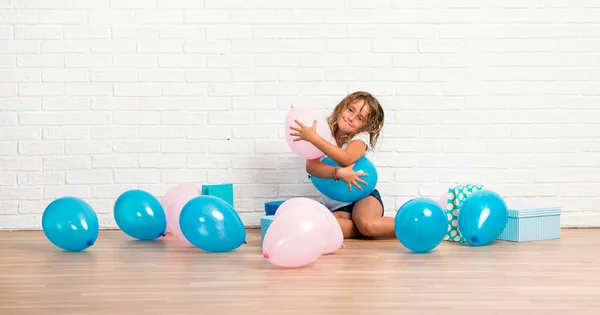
x: 317, y: 168
x: 353, y: 152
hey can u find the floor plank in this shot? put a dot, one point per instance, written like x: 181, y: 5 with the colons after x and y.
x: 119, y: 275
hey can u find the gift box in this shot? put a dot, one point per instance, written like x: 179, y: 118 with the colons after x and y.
x: 271, y: 206
x: 456, y: 197
x: 223, y: 191
x: 527, y: 223
x: 265, y: 222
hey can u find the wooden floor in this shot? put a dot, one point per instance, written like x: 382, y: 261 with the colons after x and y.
x: 119, y: 275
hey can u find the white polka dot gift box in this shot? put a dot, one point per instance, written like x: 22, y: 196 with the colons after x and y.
x: 456, y: 197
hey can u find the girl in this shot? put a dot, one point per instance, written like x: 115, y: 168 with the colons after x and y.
x: 356, y: 123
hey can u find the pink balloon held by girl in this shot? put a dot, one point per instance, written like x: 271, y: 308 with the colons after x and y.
x: 305, y: 115
x: 355, y: 126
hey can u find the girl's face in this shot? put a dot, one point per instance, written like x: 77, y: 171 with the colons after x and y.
x: 353, y: 116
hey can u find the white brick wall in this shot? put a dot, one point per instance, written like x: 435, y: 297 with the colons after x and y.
x: 99, y: 96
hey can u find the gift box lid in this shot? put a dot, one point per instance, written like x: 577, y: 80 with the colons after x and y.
x: 527, y: 211
x: 271, y: 206
x: 266, y: 219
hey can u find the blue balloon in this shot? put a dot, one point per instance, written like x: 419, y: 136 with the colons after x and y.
x: 211, y: 224
x: 339, y: 190
x: 140, y: 215
x: 482, y: 217
x: 420, y: 224
x: 70, y: 223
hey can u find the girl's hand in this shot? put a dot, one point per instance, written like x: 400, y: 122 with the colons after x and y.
x: 305, y: 133
x: 351, y: 177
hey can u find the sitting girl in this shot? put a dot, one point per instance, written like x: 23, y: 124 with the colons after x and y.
x: 356, y: 123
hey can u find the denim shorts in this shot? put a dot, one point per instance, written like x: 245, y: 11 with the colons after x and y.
x: 350, y: 207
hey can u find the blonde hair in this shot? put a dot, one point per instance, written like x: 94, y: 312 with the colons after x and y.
x: 374, y: 122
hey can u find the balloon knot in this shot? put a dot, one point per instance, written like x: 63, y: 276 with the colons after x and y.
x: 163, y: 234
x: 90, y: 243
x: 266, y: 255
x: 245, y: 242
x: 343, y: 246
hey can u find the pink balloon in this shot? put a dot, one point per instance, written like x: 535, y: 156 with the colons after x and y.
x: 173, y: 202
x: 335, y: 239
x: 306, y: 116
x: 443, y: 200
x: 295, y: 238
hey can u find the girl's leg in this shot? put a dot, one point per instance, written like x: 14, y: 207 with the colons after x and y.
x: 369, y: 220
x: 348, y: 228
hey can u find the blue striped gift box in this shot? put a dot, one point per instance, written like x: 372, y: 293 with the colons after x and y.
x: 265, y: 222
x: 526, y: 224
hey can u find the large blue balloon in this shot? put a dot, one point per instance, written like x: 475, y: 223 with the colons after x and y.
x: 420, y: 224
x: 339, y: 190
x: 70, y: 223
x: 211, y: 224
x: 140, y: 215
x: 482, y: 217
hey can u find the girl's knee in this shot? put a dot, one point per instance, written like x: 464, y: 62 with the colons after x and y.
x: 367, y: 226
